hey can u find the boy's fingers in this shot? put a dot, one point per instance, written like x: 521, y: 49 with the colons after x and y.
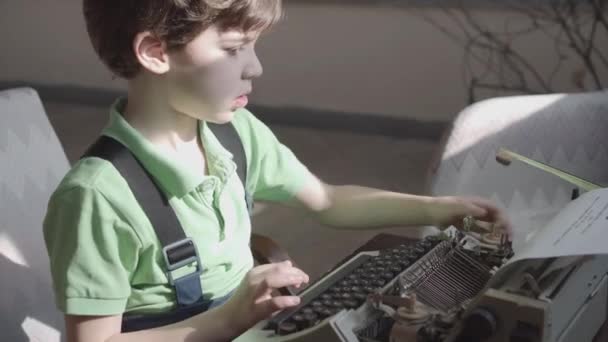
x: 258, y: 273
x: 274, y: 304
x: 476, y: 211
x: 285, y: 271
x: 275, y: 281
x: 278, y: 280
x: 493, y: 214
x: 264, y: 268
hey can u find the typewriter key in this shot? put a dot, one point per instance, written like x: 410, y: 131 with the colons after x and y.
x: 326, y: 296
x: 426, y: 244
x: 345, y: 283
x: 352, y: 277
x: 327, y: 312
x: 410, y: 253
x: 328, y: 302
x: 394, y: 256
x: 378, y: 282
x: 360, y: 296
x: 299, y: 321
x: 369, y: 289
x: 419, y: 251
x: 357, y: 282
x: 322, y: 312
x: 351, y: 304
x: 370, y: 274
x: 306, y: 310
x: 432, y: 239
x: 359, y: 271
x: 387, y: 276
x: 337, y: 289
x: 337, y: 304
x: 356, y: 289
x: 311, y: 319
x: 346, y: 296
x: 405, y: 247
x: 287, y: 328
x: 386, y: 257
x: 316, y: 303
x: 364, y: 282
x: 395, y: 268
x: 369, y: 264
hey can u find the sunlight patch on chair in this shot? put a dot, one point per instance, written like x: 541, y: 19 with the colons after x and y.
x: 491, y: 117
x: 11, y: 251
x: 37, y: 331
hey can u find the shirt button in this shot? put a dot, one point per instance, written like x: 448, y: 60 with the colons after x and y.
x: 208, y: 186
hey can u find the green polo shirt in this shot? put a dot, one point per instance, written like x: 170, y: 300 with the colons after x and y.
x: 104, y: 254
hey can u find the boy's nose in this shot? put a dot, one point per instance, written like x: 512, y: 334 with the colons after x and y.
x: 253, y: 69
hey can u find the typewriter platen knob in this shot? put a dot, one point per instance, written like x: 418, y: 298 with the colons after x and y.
x: 480, y: 325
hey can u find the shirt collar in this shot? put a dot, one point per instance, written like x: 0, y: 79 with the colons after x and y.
x: 174, y: 176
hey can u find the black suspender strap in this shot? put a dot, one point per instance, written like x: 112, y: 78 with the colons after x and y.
x: 230, y: 139
x: 178, y: 250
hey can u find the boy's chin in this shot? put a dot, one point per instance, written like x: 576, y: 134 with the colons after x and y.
x: 223, y: 117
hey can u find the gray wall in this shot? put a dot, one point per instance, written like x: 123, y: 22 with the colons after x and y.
x: 377, y: 60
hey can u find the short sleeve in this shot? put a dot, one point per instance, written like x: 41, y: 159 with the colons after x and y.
x: 274, y: 172
x: 92, y: 253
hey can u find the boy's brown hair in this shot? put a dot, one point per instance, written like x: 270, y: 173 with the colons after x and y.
x: 113, y: 24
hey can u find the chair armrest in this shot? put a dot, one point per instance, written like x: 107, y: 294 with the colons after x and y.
x: 265, y: 251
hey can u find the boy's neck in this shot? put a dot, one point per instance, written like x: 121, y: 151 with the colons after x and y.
x: 149, y: 112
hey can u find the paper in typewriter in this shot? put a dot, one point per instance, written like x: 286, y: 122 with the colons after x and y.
x: 580, y: 228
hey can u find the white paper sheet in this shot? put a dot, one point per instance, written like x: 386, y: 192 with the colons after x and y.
x: 581, y: 228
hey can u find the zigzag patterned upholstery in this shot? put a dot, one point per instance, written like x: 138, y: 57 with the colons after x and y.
x: 567, y: 131
x: 32, y: 164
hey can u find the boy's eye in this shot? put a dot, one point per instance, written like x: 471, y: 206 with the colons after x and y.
x: 232, y: 51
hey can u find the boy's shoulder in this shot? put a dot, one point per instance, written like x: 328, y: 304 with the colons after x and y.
x: 89, y: 174
x: 244, y: 120
x: 251, y: 130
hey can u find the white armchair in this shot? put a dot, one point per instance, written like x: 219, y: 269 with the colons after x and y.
x: 32, y: 162
x: 567, y: 131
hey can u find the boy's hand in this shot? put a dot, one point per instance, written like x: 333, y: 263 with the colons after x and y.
x: 253, y: 301
x: 446, y: 211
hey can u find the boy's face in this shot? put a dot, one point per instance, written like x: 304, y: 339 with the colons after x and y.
x: 211, y: 76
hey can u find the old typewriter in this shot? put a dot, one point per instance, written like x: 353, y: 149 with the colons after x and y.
x: 448, y: 287
x: 457, y: 287
x: 426, y: 283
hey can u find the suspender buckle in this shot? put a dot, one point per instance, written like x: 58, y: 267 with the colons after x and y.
x: 179, y: 254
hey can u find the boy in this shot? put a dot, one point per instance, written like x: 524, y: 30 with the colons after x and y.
x: 190, y: 63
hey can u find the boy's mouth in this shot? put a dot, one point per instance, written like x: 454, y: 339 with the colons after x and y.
x: 242, y: 100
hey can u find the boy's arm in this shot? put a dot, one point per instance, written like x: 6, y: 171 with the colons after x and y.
x: 251, y: 302
x: 352, y: 207
x: 211, y: 326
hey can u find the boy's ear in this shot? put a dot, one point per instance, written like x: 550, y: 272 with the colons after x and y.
x: 151, y: 52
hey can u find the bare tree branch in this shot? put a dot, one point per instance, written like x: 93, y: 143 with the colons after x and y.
x: 492, y: 60
x: 578, y: 49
